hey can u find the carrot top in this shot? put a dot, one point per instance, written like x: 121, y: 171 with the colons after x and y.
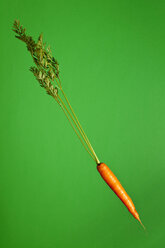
x: 46, y: 71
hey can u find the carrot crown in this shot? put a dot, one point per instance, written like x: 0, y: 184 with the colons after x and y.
x: 46, y: 71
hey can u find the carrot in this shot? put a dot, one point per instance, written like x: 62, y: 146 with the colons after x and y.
x: 46, y: 71
x: 118, y: 189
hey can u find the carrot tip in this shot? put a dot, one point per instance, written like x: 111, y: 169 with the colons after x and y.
x: 142, y: 225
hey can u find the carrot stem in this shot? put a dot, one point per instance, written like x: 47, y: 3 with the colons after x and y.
x: 77, y: 123
x: 90, y: 146
x: 61, y: 105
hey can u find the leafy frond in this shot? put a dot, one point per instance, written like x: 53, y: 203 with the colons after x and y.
x: 47, y: 68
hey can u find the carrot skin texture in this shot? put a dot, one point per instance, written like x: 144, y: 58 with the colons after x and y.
x: 117, y: 188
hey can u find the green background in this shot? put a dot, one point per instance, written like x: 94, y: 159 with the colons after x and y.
x: 111, y: 56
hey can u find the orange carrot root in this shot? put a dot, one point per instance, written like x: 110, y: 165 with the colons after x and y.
x: 118, y: 189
